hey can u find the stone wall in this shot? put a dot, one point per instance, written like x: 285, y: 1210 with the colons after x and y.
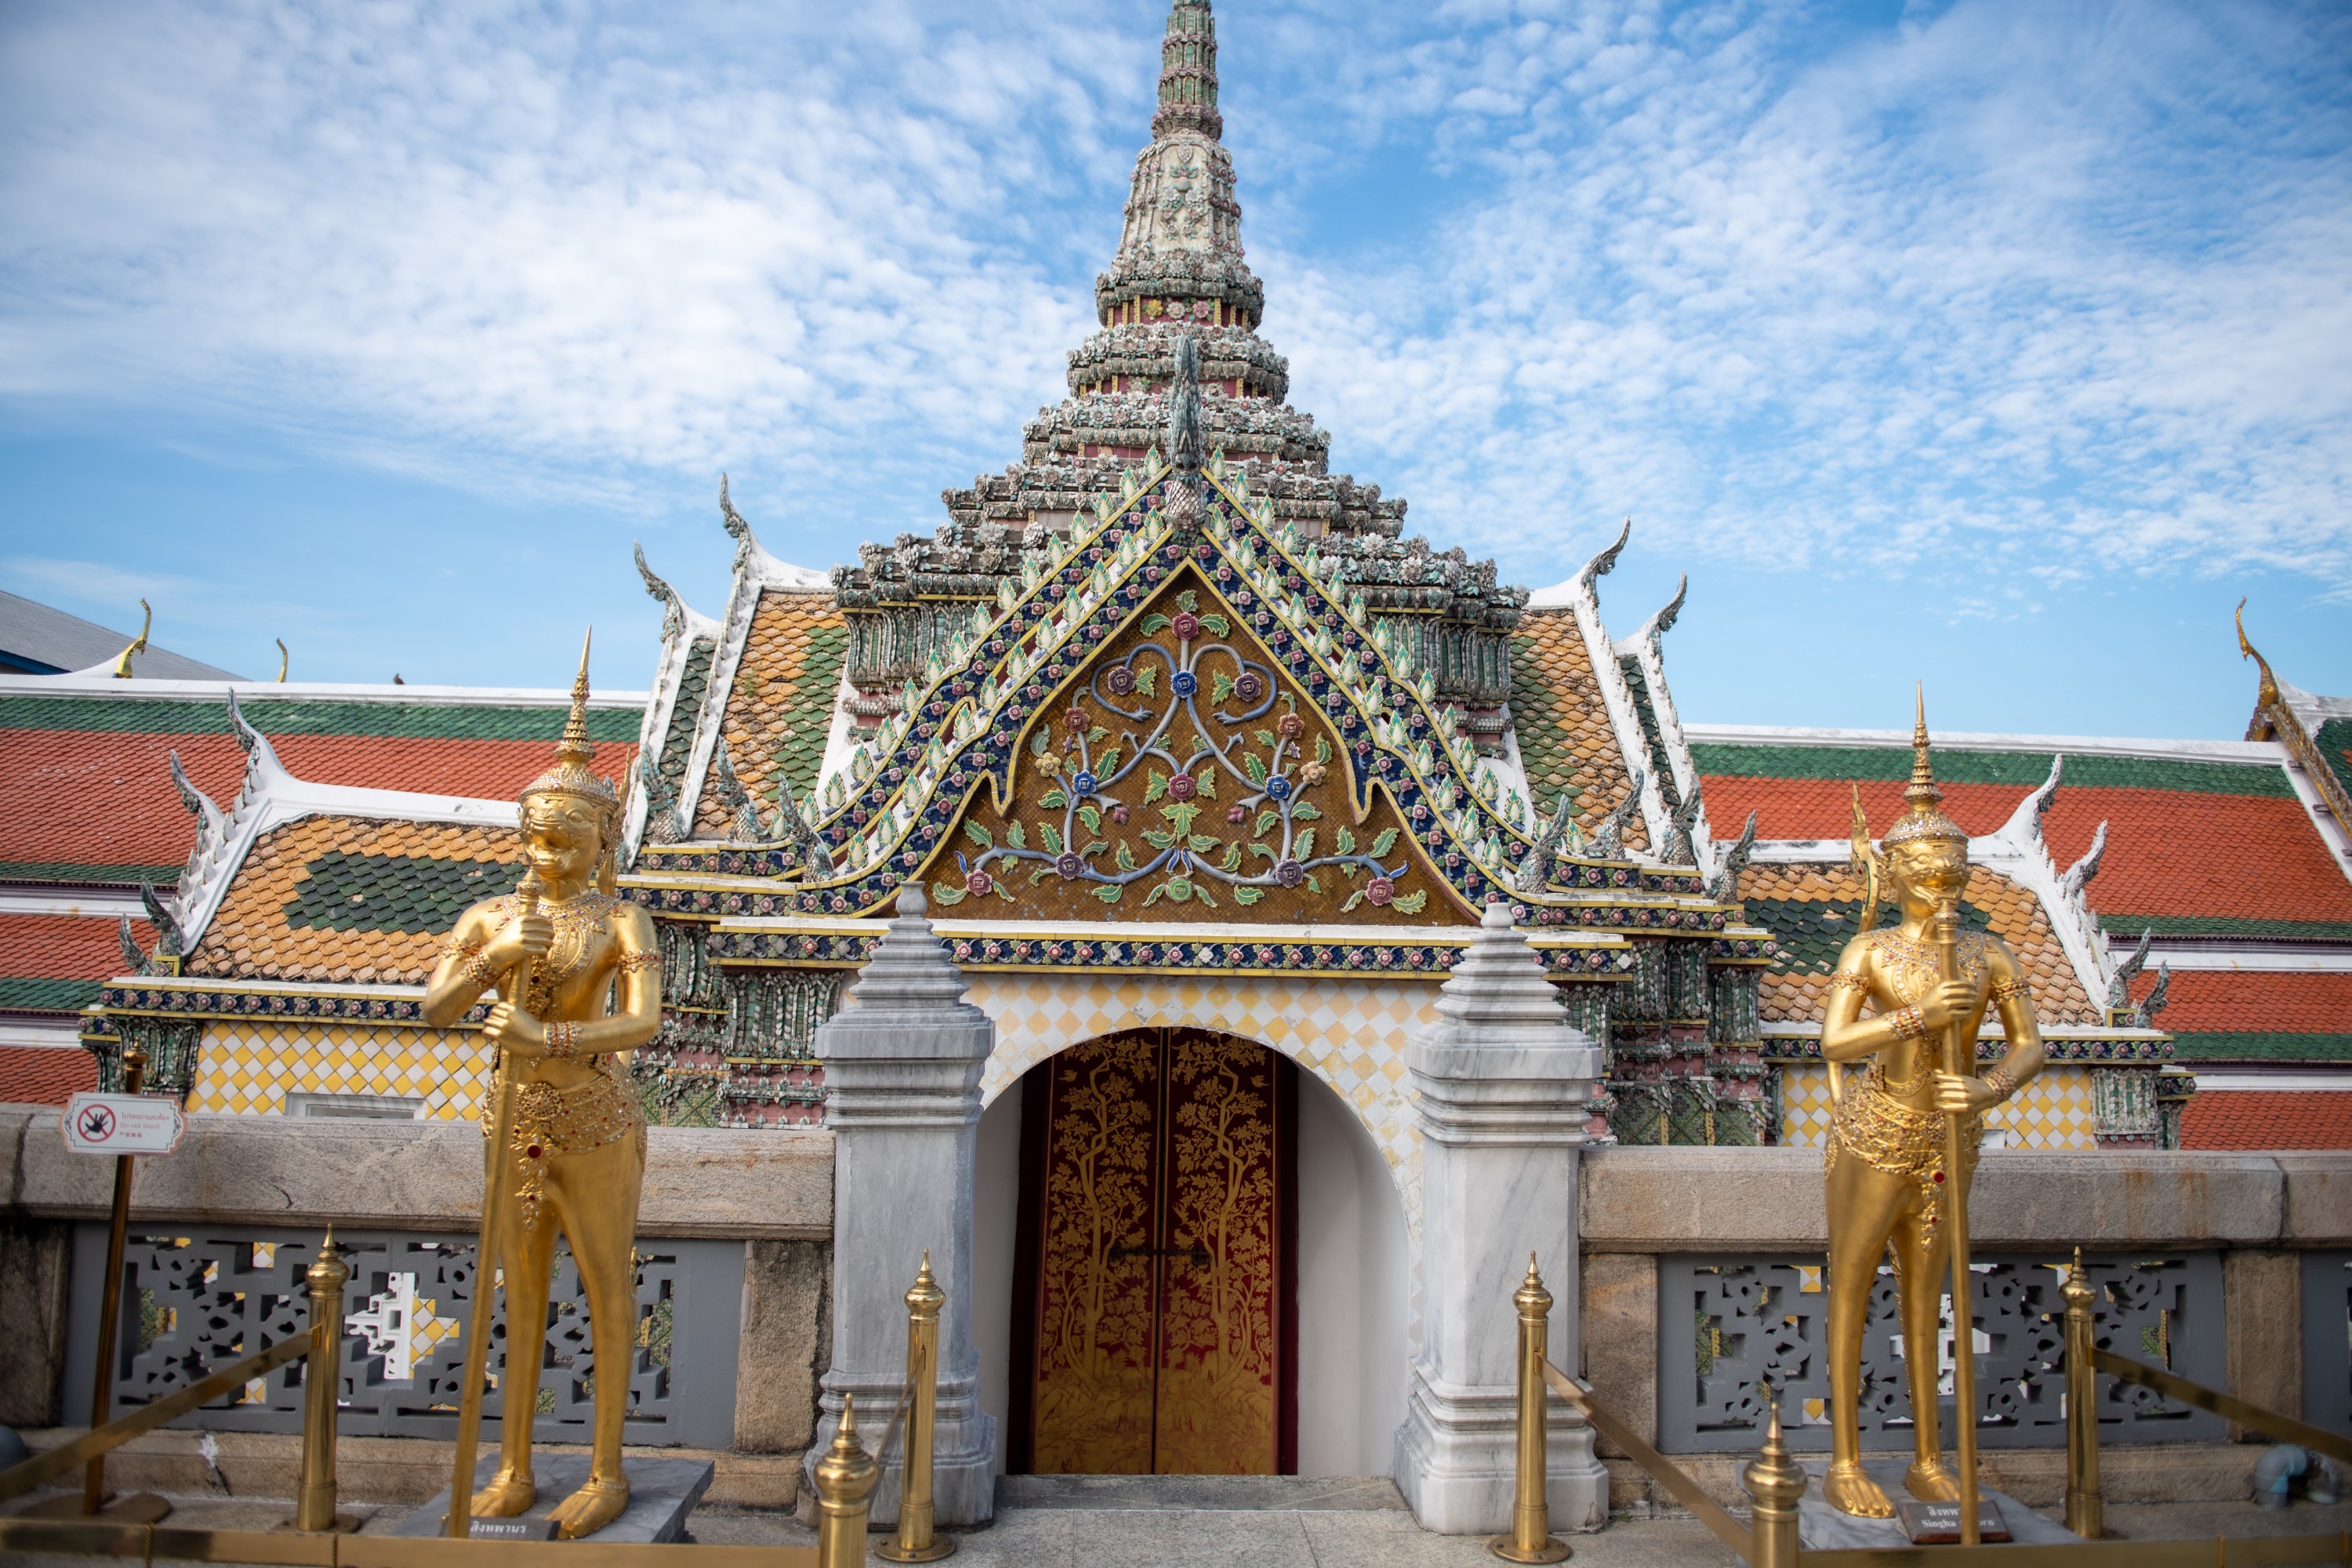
x: 771, y: 1190
x: 2260, y: 1211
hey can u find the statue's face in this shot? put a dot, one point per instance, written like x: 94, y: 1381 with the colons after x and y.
x: 1930, y: 871
x: 563, y: 837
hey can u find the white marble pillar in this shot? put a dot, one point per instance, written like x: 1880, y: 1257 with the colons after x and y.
x: 1500, y: 1084
x: 902, y: 1064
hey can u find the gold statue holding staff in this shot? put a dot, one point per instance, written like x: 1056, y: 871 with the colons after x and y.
x: 1903, y: 1144
x: 565, y: 1128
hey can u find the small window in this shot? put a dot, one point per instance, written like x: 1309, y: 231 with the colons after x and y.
x: 356, y: 1107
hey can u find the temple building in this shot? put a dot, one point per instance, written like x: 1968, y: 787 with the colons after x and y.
x: 1208, y: 775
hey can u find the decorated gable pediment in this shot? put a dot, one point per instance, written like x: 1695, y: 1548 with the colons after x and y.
x: 1182, y: 768
x: 959, y: 787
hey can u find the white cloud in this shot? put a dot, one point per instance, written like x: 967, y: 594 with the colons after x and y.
x: 2045, y: 290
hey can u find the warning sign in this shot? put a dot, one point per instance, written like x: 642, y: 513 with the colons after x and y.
x: 122, y: 1124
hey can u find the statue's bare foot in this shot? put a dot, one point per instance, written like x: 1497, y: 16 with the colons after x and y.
x: 1929, y: 1482
x: 1851, y: 1491
x: 590, y: 1509
x: 507, y: 1494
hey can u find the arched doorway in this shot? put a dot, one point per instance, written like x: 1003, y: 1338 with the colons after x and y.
x: 1154, y: 1272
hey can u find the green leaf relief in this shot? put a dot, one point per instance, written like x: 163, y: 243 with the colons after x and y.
x: 1304, y: 850
x: 1265, y: 738
x: 1015, y: 836
x: 996, y: 886
x: 1200, y: 891
x: 1108, y: 764
x: 1147, y: 680
x: 1208, y: 782
x: 1188, y: 601
x: 947, y: 893
x: 1410, y: 904
x: 1157, y: 838
x: 1304, y: 812
x: 1265, y: 821
x: 1093, y: 849
x: 1040, y: 744
x: 1154, y: 897
x: 1125, y: 857
x: 1384, y: 842
x: 1233, y: 860
x: 1322, y: 749
x: 979, y: 835
x: 1051, y: 836
x: 1217, y: 623
x: 1253, y: 765
x: 1204, y: 843
x: 1343, y: 842
x: 1155, y: 786
x: 1248, y: 895
x: 1221, y: 686
x: 1053, y: 800
x: 1152, y: 623
x: 1353, y: 899
x: 1091, y: 816
x: 1097, y: 735
x: 1111, y: 893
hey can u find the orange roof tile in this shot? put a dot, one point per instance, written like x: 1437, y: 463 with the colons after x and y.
x: 2285, y: 1001
x: 44, y: 1075
x: 1811, y: 910
x: 780, y: 708
x: 63, y: 947
x: 1566, y: 740
x: 2267, y: 1119
x: 276, y: 924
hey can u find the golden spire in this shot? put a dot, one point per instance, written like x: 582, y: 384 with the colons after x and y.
x: 575, y: 751
x: 1925, y: 818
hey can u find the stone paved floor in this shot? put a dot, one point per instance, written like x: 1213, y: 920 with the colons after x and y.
x: 1289, y: 1522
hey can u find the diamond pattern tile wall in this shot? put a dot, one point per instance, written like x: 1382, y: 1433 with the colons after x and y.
x: 247, y: 1068
x: 2053, y: 1110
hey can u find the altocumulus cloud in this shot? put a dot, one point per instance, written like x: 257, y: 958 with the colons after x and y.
x: 2056, y: 284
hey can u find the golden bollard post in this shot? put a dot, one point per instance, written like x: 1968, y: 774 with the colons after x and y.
x: 1530, y: 1540
x: 915, y: 1542
x: 314, y: 1508
x: 2085, y: 1510
x: 1776, y: 1481
x: 844, y: 1477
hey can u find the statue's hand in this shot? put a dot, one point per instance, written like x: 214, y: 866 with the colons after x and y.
x: 529, y: 937
x: 1951, y: 1001
x: 1961, y: 1093
x: 515, y: 1030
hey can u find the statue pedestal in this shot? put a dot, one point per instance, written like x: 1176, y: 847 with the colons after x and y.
x: 1820, y: 1528
x: 662, y: 1492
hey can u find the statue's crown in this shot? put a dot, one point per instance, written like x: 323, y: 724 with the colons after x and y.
x: 1924, y: 820
x: 570, y: 775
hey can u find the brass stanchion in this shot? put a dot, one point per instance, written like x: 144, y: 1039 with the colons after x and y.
x: 915, y: 1542
x: 314, y: 1506
x: 140, y: 1508
x: 2085, y: 1509
x: 1960, y: 1058
x: 497, y: 1167
x: 844, y: 1477
x: 1530, y: 1539
x: 1776, y: 1481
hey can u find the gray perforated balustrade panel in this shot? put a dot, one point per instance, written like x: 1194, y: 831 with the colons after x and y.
x: 1729, y: 1327
x: 2327, y: 1340
x: 198, y: 1298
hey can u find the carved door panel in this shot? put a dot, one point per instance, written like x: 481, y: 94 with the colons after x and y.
x: 1156, y: 1240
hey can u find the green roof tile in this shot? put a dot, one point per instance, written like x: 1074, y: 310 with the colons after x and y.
x: 2028, y: 769
x: 2259, y: 1045
x: 345, y: 891
x: 439, y: 721
x: 2215, y: 925
x: 23, y: 995
x: 2334, y: 743
x: 165, y: 876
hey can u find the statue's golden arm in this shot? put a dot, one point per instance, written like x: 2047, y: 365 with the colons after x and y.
x: 1845, y: 1033
x: 456, y: 982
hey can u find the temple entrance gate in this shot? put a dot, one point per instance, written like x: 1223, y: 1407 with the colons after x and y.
x: 1155, y: 1259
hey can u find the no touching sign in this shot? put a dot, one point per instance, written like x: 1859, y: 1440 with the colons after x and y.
x: 98, y: 1124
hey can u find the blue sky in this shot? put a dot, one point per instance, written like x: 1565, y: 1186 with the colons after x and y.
x: 2004, y: 345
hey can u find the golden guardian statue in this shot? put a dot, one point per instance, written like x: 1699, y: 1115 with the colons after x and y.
x: 566, y: 1133
x: 1904, y: 1144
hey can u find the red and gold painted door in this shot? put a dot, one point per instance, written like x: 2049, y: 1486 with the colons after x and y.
x: 1155, y: 1259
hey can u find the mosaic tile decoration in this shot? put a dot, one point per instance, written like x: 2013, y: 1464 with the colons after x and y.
x: 2054, y: 1110
x: 1349, y: 1033
x: 247, y: 1068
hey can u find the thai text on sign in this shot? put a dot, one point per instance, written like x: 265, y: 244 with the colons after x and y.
x: 98, y: 1123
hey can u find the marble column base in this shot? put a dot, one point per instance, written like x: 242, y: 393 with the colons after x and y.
x: 964, y: 1453
x: 1458, y: 1461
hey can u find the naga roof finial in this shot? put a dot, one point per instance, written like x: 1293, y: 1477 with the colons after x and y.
x: 2269, y: 691
x: 138, y: 646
